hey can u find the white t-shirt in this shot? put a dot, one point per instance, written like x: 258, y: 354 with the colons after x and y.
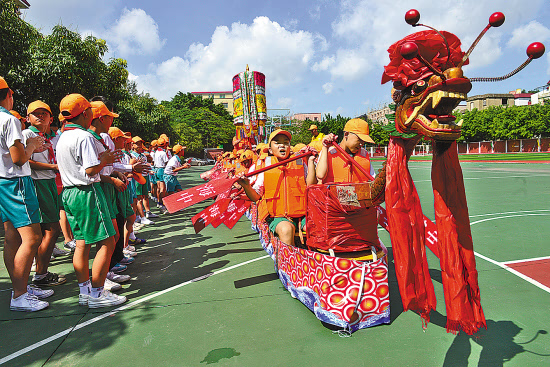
x: 42, y: 157
x: 10, y: 131
x: 160, y: 159
x: 77, y: 151
x: 174, y: 162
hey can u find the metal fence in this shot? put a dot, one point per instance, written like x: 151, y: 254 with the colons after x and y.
x: 483, y: 147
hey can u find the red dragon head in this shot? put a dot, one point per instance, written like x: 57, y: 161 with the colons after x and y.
x: 426, y: 70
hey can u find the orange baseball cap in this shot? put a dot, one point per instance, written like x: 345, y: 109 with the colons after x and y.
x: 162, y: 141
x: 247, y: 155
x: 4, y: 84
x: 99, y: 109
x: 36, y: 105
x: 360, y: 128
x: 72, y: 105
x: 115, y: 132
x: 317, y: 145
x: 277, y: 132
x: 17, y: 115
x: 154, y: 143
x: 298, y: 147
x: 312, y: 127
x: 135, y: 139
x: 177, y: 148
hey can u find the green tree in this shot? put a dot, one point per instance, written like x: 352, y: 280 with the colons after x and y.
x: 143, y: 116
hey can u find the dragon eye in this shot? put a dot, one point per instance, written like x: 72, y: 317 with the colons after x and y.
x: 419, y: 86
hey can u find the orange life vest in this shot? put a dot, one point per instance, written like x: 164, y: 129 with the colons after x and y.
x: 340, y: 170
x: 285, y: 190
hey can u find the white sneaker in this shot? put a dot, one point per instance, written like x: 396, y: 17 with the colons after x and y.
x: 146, y: 221
x: 28, y: 303
x: 151, y: 215
x: 83, y: 299
x: 129, y: 253
x: 106, y: 299
x: 59, y: 252
x: 137, y: 226
x: 71, y: 245
x: 119, y: 278
x: 131, y: 248
x: 33, y: 266
x: 138, y: 219
x: 39, y: 293
x: 111, y: 286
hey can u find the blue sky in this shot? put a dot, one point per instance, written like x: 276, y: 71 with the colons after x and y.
x: 317, y: 55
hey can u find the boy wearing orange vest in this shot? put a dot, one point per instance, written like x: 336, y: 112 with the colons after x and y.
x: 332, y: 167
x: 282, y: 189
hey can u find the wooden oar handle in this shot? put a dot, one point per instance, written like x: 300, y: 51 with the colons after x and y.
x: 352, y: 161
x: 278, y: 164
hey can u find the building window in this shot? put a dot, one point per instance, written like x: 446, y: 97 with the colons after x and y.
x: 315, y: 119
x: 484, y: 102
x: 504, y: 101
x: 222, y: 96
x: 471, y: 105
x: 225, y: 105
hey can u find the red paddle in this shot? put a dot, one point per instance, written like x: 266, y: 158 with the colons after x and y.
x: 183, y: 199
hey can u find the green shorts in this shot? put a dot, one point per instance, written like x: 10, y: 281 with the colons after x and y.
x: 110, y: 195
x: 153, y: 176
x: 48, y: 199
x: 132, y: 186
x: 88, y: 213
x: 143, y: 190
x: 124, y: 203
x: 172, y: 183
x: 273, y: 222
x: 18, y: 203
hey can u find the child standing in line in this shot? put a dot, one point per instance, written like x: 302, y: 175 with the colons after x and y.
x: 43, y: 168
x: 84, y: 201
x: 174, y: 165
x: 19, y: 206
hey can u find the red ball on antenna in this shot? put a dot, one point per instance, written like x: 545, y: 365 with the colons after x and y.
x: 409, y: 50
x: 412, y: 16
x: 535, y: 50
x: 496, y: 19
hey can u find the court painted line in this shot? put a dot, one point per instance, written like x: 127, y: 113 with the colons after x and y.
x: 491, y: 177
x: 503, y: 265
x: 122, y: 308
x: 527, y: 260
x: 515, y: 272
x: 523, y: 211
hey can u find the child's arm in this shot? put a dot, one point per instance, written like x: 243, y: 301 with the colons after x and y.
x: 248, y: 189
x: 311, y: 175
x: 106, y: 158
x: 40, y: 166
x: 20, y: 153
x: 322, y: 164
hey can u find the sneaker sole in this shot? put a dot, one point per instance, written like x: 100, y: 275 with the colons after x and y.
x: 50, y: 284
x: 105, y: 304
x: 23, y: 309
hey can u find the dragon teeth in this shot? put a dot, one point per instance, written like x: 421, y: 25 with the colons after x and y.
x: 459, y: 124
x: 436, y: 98
x: 434, y: 124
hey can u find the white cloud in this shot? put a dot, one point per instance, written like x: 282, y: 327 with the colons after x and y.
x: 534, y: 31
x: 315, y: 12
x: 284, y: 102
x: 135, y: 32
x: 264, y: 45
x: 365, y: 29
x: 291, y: 24
x: 326, y: 63
x: 328, y: 87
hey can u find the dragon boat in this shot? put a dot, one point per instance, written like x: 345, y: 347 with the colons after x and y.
x: 345, y: 289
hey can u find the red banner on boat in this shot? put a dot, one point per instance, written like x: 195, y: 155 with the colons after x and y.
x: 207, y: 216
x: 183, y: 199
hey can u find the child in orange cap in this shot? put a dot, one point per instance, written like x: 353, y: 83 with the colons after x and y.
x: 174, y: 165
x: 160, y: 159
x: 281, y: 189
x: 19, y: 206
x: 43, y: 172
x: 80, y: 164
